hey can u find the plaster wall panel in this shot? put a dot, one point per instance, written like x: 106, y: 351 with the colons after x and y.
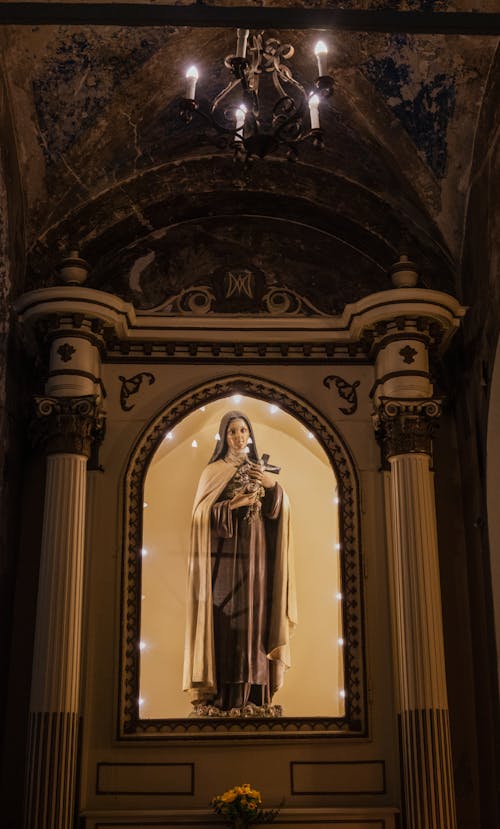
x: 223, y: 759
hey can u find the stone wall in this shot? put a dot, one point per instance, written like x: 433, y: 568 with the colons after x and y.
x: 466, y: 555
x: 13, y: 376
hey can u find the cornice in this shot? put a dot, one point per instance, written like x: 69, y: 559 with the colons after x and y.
x: 360, y: 330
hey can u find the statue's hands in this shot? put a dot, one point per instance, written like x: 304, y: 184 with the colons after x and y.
x: 258, y: 476
x: 243, y: 499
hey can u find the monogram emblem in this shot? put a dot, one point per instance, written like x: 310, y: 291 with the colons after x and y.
x: 240, y: 283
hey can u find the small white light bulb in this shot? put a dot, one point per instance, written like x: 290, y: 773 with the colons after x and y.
x: 217, y: 436
x: 191, y: 78
x: 249, y: 441
x: 145, y: 505
x: 310, y: 435
x: 236, y: 398
x: 202, y: 408
x: 321, y: 51
x: 169, y: 436
x: 194, y: 444
x: 273, y: 409
x: 143, y: 646
x: 338, y: 596
x: 144, y: 552
x: 342, y: 694
x: 340, y: 641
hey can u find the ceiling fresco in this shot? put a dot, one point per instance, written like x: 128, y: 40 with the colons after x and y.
x: 154, y: 205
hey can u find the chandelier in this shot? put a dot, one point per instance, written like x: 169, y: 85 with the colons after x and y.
x: 239, y: 117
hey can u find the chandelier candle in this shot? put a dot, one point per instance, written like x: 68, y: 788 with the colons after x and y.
x: 240, y: 122
x: 314, y: 111
x: 191, y: 78
x: 241, y: 43
x: 321, y: 52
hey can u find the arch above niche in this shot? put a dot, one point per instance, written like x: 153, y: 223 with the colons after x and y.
x: 354, y: 719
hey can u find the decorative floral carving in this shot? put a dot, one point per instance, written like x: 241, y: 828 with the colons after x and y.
x: 132, y: 386
x: 406, y: 426
x: 68, y: 424
x: 408, y: 354
x: 347, y: 391
x: 355, y: 716
x: 66, y: 352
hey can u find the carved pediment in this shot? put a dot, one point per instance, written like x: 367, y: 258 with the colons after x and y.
x: 238, y: 291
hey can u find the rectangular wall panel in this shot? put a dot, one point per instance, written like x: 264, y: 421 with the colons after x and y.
x: 363, y: 777
x: 145, y: 778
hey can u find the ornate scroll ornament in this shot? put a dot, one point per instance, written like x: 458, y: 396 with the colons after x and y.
x: 198, y: 299
x: 406, y: 426
x: 68, y: 424
x: 275, y: 300
x: 347, y: 391
x: 131, y: 386
x: 354, y: 720
x: 285, y: 301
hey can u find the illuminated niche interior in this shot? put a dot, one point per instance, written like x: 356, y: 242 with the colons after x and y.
x: 314, y: 684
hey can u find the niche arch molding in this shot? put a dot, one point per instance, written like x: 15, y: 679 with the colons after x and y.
x: 354, y: 721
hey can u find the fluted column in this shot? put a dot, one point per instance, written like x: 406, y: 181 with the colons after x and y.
x: 421, y: 678
x: 67, y: 426
x: 412, y: 326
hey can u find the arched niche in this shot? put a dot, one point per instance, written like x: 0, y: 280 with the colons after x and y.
x: 165, y: 465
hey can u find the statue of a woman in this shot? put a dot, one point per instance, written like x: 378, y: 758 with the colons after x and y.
x: 241, y: 592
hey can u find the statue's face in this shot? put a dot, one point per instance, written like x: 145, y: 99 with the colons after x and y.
x: 237, y: 434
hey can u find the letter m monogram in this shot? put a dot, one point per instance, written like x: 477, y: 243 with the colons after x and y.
x: 239, y: 284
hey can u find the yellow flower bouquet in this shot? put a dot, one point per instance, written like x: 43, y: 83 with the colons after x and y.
x: 242, y: 805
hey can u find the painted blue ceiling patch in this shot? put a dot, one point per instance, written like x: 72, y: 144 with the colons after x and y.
x: 80, y: 79
x: 424, y: 107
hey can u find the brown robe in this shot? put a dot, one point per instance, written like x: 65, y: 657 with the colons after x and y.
x: 199, y: 676
x: 242, y: 554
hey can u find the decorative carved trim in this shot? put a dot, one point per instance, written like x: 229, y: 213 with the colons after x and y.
x: 347, y: 391
x: 132, y: 386
x: 285, y: 301
x: 354, y: 720
x: 408, y: 354
x: 66, y: 352
x: 68, y: 424
x: 277, y: 300
x: 229, y: 352
x: 393, y: 374
x: 405, y: 427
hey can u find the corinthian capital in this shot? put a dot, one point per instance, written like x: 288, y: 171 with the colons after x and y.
x: 406, y: 426
x: 68, y: 424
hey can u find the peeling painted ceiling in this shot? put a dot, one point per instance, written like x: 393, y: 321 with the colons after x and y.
x: 110, y: 169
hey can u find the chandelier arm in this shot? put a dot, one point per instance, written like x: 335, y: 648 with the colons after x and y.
x: 214, y: 122
x: 220, y: 97
x: 296, y: 84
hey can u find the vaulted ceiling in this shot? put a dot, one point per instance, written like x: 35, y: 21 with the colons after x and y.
x: 109, y: 168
